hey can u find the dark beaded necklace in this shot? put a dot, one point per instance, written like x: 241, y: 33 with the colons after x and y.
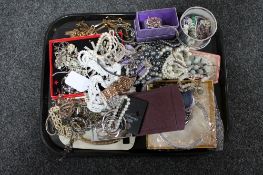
x: 148, y: 62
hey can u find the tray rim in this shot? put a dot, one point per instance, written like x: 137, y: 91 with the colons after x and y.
x: 77, y: 152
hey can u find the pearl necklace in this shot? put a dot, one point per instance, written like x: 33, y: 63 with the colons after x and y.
x: 175, y: 66
x: 173, y: 70
x: 113, y: 51
x: 94, y: 100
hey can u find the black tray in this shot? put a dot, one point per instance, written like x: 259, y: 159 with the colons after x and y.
x: 57, y: 29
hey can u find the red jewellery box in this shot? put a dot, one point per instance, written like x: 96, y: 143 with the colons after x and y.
x: 79, y: 42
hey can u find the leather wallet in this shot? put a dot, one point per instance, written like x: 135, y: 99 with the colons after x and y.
x: 165, y: 110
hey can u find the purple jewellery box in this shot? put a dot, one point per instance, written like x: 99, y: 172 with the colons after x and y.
x: 168, y: 30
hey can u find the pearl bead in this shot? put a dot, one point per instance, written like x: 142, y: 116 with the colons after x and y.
x: 153, y: 53
x: 188, y: 63
x: 142, y: 57
x: 196, y: 67
x: 155, y: 68
x: 203, y: 61
x: 207, y: 69
x: 137, y: 82
x: 137, y: 62
x: 148, y: 78
x: 153, y: 73
x: 200, y: 71
x: 196, y: 60
x: 192, y: 72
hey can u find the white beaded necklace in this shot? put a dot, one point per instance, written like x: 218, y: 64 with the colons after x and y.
x: 88, y: 58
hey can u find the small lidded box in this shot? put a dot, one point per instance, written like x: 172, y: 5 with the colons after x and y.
x: 156, y: 24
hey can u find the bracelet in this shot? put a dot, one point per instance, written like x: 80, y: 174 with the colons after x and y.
x: 118, y: 87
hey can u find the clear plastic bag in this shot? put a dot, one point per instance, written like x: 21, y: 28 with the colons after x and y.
x: 200, y: 132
